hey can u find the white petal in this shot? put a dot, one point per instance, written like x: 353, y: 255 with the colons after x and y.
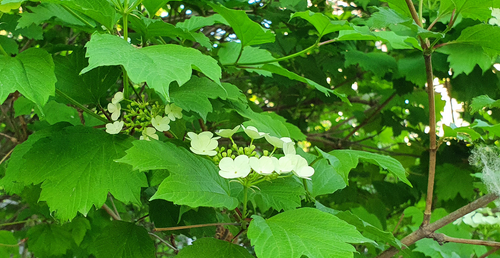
x: 289, y: 148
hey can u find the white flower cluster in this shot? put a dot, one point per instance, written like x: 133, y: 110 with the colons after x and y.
x: 232, y: 166
x: 145, y: 115
x: 482, y: 216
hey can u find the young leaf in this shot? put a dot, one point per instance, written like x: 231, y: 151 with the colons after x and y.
x: 31, y: 73
x: 156, y: 65
x: 478, y: 103
x: 307, y: 231
x: 46, y: 11
x: 213, y: 248
x: 77, y: 170
x: 193, y: 180
x: 125, y: 240
x: 248, y: 32
x: 345, y: 160
x: 321, y: 22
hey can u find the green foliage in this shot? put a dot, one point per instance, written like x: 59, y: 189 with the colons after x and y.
x: 303, y: 231
x: 213, y: 248
x: 152, y: 62
x: 107, y: 106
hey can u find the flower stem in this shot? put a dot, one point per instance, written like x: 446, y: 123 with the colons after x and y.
x: 245, y: 200
x: 76, y: 103
x: 126, y: 86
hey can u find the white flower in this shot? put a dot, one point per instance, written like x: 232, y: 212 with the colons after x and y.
x: 117, y: 98
x: 114, y: 128
x: 173, y: 112
x: 239, y: 167
x: 302, y: 169
x: 115, y: 110
x: 277, y: 142
x: 252, y: 132
x: 263, y: 165
x: 147, y: 133
x: 289, y: 148
x: 203, y: 143
x: 285, y: 164
x: 161, y: 123
x: 227, y: 133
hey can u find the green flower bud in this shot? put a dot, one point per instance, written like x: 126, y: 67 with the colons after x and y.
x: 224, y: 154
x: 266, y: 153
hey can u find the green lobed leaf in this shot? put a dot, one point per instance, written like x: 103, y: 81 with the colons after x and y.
x: 8, y: 22
x: 451, y: 181
x: 279, y: 194
x: 193, y: 180
x: 478, y: 10
x: 154, y: 5
x: 10, y: 45
x: 326, y: 179
x: 8, y: 244
x: 413, y: 69
x: 195, y: 94
x: 486, y: 36
x: 464, y: 57
x: 214, y: 248
x: 483, y: 101
x: 100, y: 11
x: 321, y: 22
x: 248, y: 31
x: 124, y: 240
x: 211, y: 247
x: 197, y: 22
x: 78, y: 228
x: 366, y: 229
x: 306, y: 231
x: 458, y: 132
x: 49, y: 240
x: 400, y: 6
x: 47, y: 11
x: 376, y: 62
x: 31, y: 73
x: 345, y: 160
x: 156, y: 65
x: 493, y: 129
x: 89, y: 88
x: 76, y: 168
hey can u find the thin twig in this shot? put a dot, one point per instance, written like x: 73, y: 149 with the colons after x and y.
x: 442, y: 239
x: 489, y: 252
x: 110, y: 212
x: 196, y: 226
x: 163, y: 241
x: 428, y: 230
x: 376, y: 112
x: 114, y: 206
x: 6, y: 156
x: 399, y: 222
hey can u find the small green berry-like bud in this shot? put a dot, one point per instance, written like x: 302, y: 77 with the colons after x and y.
x: 266, y: 152
x: 253, y: 153
x: 233, y: 157
x: 252, y: 147
x: 229, y: 152
x: 240, y: 150
x: 235, y: 147
x: 222, y: 149
x: 224, y: 154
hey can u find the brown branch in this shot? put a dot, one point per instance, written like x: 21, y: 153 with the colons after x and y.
x: 489, y: 252
x: 428, y: 230
x: 6, y: 156
x: 443, y: 239
x: 432, y: 139
x: 413, y: 12
x: 399, y: 222
x: 375, y: 113
x: 195, y: 226
x: 110, y: 212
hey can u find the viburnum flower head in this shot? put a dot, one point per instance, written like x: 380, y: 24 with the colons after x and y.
x: 263, y: 165
x: 239, y: 167
x: 203, y: 143
x: 252, y: 132
x: 173, y: 112
x: 117, y: 98
x: 227, y: 133
x: 149, y: 132
x: 114, y: 128
x: 115, y: 110
x: 161, y: 123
